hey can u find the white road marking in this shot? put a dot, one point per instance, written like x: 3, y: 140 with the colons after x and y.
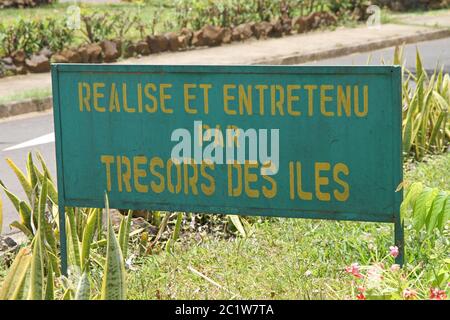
x: 46, y: 138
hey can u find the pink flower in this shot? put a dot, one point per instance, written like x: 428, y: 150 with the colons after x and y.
x: 394, y: 251
x: 361, y: 296
x: 436, y: 294
x: 375, y: 273
x: 409, y: 294
x: 354, y: 270
x: 395, y: 267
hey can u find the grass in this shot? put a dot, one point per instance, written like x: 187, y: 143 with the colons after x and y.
x: 401, y: 18
x: 25, y: 95
x: 289, y: 258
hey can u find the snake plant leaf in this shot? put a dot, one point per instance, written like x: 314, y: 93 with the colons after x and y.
x: 23, y: 179
x: 51, y: 189
x: 30, y: 171
x: 37, y: 268
x: 84, y: 287
x: 50, y: 287
x: 25, y: 215
x: 177, y: 229
x: 124, y: 233
x: 19, y: 226
x: 73, y: 236
x: 44, y: 166
x: 16, y: 276
x: 12, y: 197
x: 113, y: 285
x: 1, y: 215
x: 88, y: 237
x: 238, y: 224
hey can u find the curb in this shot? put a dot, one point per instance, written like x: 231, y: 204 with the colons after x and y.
x: 35, y: 105
x: 336, y: 52
x: 25, y: 106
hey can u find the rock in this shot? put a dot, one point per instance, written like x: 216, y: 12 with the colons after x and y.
x: 227, y: 35
x: 277, y: 30
x: 110, y: 51
x: 208, y: 36
x: 46, y: 52
x: 242, y: 31
x: 68, y: 55
x: 38, y: 63
x: 7, y: 60
x: 94, y: 52
x: 173, y: 42
x: 9, y: 242
x: 10, y: 69
x: 118, y: 43
x: 184, y: 42
x: 188, y: 34
x: 21, y: 70
x: 83, y: 54
x: 262, y: 29
x: 302, y: 24
x: 19, y: 57
x: 142, y: 48
x: 59, y: 58
x: 130, y: 50
x: 157, y: 43
x: 197, y: 39
x: 286, y: 23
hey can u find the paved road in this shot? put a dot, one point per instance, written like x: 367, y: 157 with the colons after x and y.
x: 434, y: 53
x: 24, y: 134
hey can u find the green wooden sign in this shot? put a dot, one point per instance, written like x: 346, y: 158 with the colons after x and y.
x: 305, y: 142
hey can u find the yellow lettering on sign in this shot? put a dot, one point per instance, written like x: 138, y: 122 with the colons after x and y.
x: 98, y: 95
x: 188, y: 97
x: 310, y: 88
x: 291, y: 98
x: 157, y: 162
x: 227, y: 98
x: 139, y: 173
x: 114, y: 104
x: 107, y: 160
x: 277, y: 104
x: 321, y: 181
x: 365, y: 108
x: 207, y: 189
x: 205, y: 88
x: 150, y: 108
x: 341, y: 168
x: 163, y: 97
x: 324, y: 98
x: 245, y: 100
x: 344, y: 100
x: 83, y: 99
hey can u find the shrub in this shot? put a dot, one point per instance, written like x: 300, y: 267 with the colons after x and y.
x: 33, y: 35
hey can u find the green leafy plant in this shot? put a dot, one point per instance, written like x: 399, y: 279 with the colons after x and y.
x: 32, y: 35
x: 98, y: 26
x: 426, y: 128
x: 36, y: 270
x: 429, y: 208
